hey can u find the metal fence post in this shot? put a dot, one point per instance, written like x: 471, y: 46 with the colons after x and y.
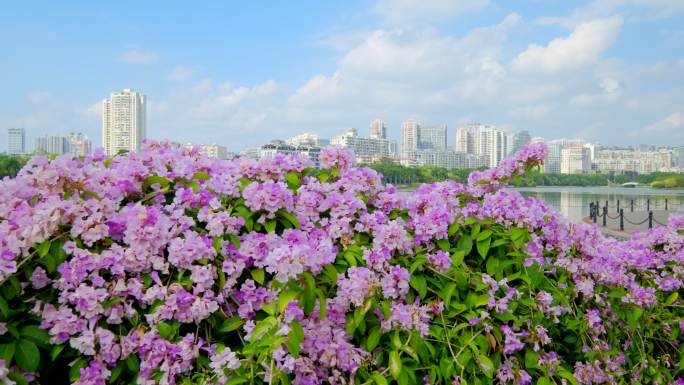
x: 595, y: 212
x: 650, y: 219
x: 618, y: 206
x: 622, y: 220
x: 648, y: 205
x: 605, y: 215
x: 665, y: 204
x: 631, y: 205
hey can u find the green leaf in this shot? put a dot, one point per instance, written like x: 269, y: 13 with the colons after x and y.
x: 194, y: 186
x: 486, y: 365
x: 166, y: 331
x: 44, y: 248
x: 230, y: 324
x: 201, y: 175
x: 419, y: 284
x: 453, y: 228
x: 270, y: 225
x: 379, y: 379
x: 395, y: 364
x: 483, y: 247
x: 18, y: 378
x: 292, y: 179
x: 4, y: 307
x: 237, y: 380
x: 133, y: 363
x: 7, y: 352
x: 531, y: 359
x: 290, y: 218
x: 258, y: 275
x: 444, y: 244
x: 373, y: 338
x: 75, y: 370
x: 544, y: 381
x: 27, y: 355
x: 564, y: 373
x: 465, y: 244
x: 54, y: 353
x: 156, y: 179
x: 35, y: 334
x: 285, y: 298
x: 295, y: 338
x: 484, y: 235
x: 672, y: 298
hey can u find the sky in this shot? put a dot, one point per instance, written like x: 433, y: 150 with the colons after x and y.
x: 242, y: 73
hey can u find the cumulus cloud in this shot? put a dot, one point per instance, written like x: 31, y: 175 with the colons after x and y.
x: 581, y: 48
x: 405, y: 11
x: 181, y: 73
x: 610, y: 92
x: 135, y: 56
x: 673, y: 123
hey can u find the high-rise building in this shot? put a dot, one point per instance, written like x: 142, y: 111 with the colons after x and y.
x: 520, y: 139
x: 378, y: 129
x: 575, y: 160
x: 466, y: 138
x: 16, y: 141
x: 680, y: 157
x: 410, y: 135
x: 484, y: 140
x: 51, y: 145
x: 123, y: 121
x: 80, y: 145
x: 305, y: 139
x: 367, y: 150
x: 432, y: 137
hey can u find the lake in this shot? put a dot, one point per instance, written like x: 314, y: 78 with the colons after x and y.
x: 573, y: 202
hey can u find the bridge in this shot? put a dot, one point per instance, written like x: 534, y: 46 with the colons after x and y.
x: 630, y: 184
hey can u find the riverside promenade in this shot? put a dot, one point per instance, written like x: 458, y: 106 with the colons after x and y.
x: 631, y: 222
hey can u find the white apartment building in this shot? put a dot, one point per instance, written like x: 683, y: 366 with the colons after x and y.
x: 79, y: 145
x: 305, y: 139
x: 410, y: 135
x: 210, y: 150
x: 631, y: 161
x: 365, y: 148
x: 378, y: 129
x: 51, y: 145
x: 483, y: 140
x: 575, y: 160
x: 444, y: 159
x: 16, y: 141
x: 123, y: 121
x: 432, y: 137
x: 270, y: 150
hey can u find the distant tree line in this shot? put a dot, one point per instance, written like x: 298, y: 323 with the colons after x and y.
x: 11, y: 164
x: 402, y: 175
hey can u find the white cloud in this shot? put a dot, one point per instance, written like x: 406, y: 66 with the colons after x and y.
x: 405, y: 11
x: 93, y: 110
x: 135, y: 56
x: 672, y: 124
x: 581, y: 48
x: 37, y: 97
x: 632, y: 10
x: 181, y: 73
x: 610, y: 92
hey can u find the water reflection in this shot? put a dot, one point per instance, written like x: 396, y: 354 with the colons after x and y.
x: 573, y: 202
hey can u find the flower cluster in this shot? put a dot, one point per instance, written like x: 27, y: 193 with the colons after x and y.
x: 168, y: 267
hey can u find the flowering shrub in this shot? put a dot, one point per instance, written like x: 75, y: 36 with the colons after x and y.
x: 167, y: 267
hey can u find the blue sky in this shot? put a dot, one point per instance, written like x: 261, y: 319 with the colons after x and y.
x: 242, y: 73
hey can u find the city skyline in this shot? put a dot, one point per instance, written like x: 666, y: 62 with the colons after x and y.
x: 608, y: 71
